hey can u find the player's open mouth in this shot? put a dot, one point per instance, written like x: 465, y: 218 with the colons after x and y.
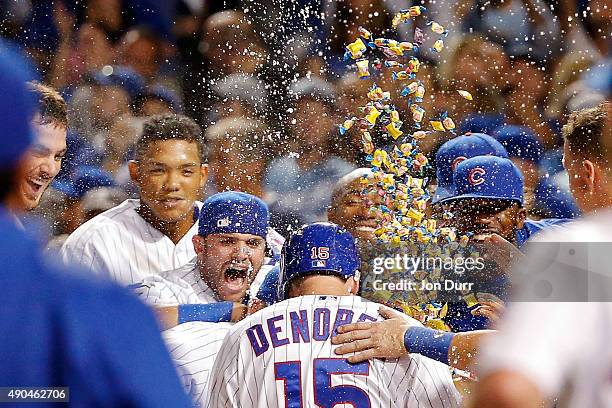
x: 35, y: 185
x: 235, y: 278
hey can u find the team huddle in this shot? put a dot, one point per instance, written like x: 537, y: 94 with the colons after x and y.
x: 251, y: 319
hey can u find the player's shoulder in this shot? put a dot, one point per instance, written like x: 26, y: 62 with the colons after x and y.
x: 594, y: 228
x: 106, y: 223
x: 182, y: 275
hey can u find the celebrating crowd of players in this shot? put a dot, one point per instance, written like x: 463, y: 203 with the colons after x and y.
x: 249, y: 318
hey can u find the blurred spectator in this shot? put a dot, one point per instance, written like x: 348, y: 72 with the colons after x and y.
x: 479, y: 67
x: 542, y: 198
x: 237, y: 155
x: 520, y: 26
x: 239, y: 95
x: 526, y: 100
x: 481, y: 123
x: 301, y: 181
x: 140, y: 49
x: 229, y: 45
x: 80, y: 182
x: 157, y: 100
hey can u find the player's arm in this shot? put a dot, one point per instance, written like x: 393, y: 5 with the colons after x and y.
x: 171, y: 316
x: 506, y: 389
x: 397, y: 336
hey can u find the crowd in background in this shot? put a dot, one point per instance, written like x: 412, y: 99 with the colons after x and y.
x: 267, y: 83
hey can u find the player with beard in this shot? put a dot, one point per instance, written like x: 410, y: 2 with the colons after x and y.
x: 44, y: 156
x: 230, y: 251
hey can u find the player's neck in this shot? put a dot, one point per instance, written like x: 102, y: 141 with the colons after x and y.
x: 173, y: 230
x: 320, y: 285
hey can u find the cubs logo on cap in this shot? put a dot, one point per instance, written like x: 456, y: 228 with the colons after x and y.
x: 489, y: 177
x: 457, y: 150
x: 457, y: 161
x: 476, y: 176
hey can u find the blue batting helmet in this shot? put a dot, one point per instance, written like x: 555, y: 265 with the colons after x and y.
x: 319, y: 248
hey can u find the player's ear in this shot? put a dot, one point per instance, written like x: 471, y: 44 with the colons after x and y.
x: 521, y: 216
x: 352, y: 284
x: 204, y: 172
x: 198, y: 243
x: 589, y: 170
x: 133, y: 169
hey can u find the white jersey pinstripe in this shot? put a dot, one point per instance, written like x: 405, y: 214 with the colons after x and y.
x: 282, y: 357
x: 194, y: 347
x: 182, y: 286
x: 119, y: 244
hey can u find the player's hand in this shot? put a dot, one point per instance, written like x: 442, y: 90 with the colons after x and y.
x: 499, y: 250
x: 239, y: 312
x: 491, y: 310
x: 369, y: 340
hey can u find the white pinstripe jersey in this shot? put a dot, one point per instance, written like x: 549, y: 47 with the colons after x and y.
x: 121, y: 245
x: 282, y: 357
x: 194, y: 347
x: 183, y: 286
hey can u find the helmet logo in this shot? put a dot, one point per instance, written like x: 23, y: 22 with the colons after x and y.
x: 223, y: 222
x: 476, y: 176
x: 456, y: 162
x: 320, y: 253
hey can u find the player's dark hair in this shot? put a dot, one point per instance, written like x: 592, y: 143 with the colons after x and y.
x: 168, y: 127
x: 583, y: 133
x: 52, y: 108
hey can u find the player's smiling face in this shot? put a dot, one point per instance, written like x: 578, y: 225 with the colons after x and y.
x: 228, y: 263
x: 43, y: 162
x: 353, y: 211
x: 170, y: 175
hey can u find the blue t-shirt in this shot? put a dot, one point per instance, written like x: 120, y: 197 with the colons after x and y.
x: 60, y: 330
x: 531, y: 227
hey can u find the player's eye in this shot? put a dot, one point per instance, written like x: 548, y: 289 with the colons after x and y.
x: 255, y: 243
x: 187, y: 173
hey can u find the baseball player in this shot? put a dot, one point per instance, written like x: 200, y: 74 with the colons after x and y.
x: 282, y: 355
x: 519, y: 369
x: 44, y: 157
x: 231, y: 251
x: 152, y: 234
x: 456, y: 150
x: 58, y: 330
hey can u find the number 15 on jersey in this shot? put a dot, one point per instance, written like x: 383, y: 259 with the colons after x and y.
x: 325, y: 395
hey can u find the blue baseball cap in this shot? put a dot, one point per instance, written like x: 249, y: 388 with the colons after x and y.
x: 481, y: 122
x: 453, y: 152
x: 82, y: 180
x: 234, y: 212
x: 121, y: 76
x: 490, y: 177
x: 316, y: 248
x: 519, y: 141
x: 17, y: 105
